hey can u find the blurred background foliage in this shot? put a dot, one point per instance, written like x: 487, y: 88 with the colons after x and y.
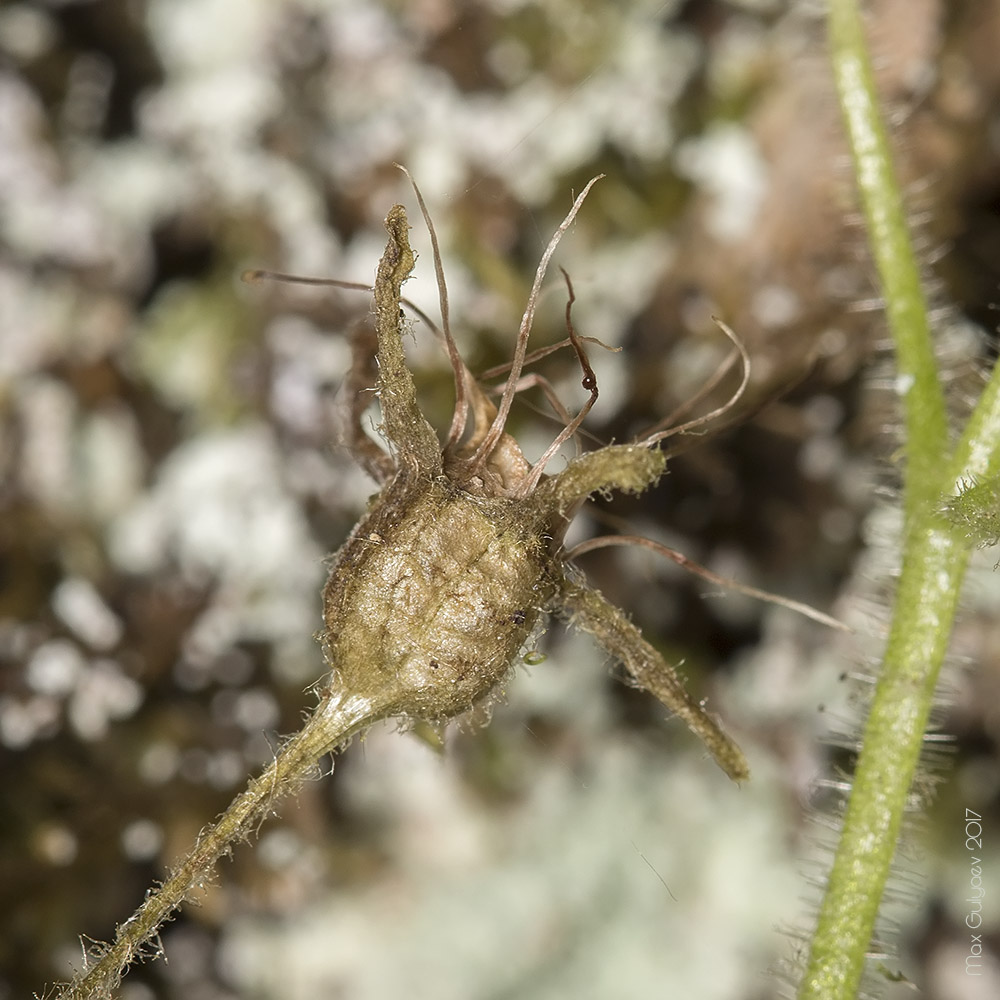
x: 171, y: 478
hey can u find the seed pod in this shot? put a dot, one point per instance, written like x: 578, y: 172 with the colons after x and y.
x: 433, y: 596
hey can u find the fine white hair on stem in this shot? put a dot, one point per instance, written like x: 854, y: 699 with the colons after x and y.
x: 493, y: 435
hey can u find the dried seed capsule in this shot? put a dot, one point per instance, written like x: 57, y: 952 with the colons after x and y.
x: 438, y: 587
x: 433, y: 596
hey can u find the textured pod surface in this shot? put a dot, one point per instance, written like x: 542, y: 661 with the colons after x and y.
x: 433, y: 595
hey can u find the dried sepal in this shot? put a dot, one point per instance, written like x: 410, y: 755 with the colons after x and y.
x: 630, y: 468
x: 589, y: 611
x: 404, y: 425
x: 357, y: 396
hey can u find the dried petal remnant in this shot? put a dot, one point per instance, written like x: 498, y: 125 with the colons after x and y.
x: 591, y: 612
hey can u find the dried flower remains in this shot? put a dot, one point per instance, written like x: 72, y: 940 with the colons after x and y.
x: 434, y: 594
x: 437, y: 589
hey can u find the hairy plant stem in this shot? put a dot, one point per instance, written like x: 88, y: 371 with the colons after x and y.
x: 335, y: 720
x: 935, y: 552
x: 918, y: 381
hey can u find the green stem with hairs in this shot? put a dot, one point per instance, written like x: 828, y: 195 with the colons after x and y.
x: 335, y: 720
x: 918, y: 381
x: 935, y: 552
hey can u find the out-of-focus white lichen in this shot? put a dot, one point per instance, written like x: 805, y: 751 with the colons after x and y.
x: 568, y: 885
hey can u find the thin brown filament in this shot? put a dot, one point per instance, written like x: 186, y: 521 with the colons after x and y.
x: 589, y: 378
x: 719, y: 410
x: 589, y: 382
x: 256, y: 275
x: 706, y: 574
x: 461, y: 415
x: 543, y: 352
x: 493, y: 435
x: 692, y: 401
